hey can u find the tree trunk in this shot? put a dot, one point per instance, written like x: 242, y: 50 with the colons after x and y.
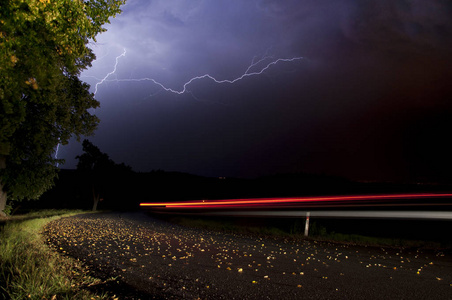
x: 2, y: 192
x: 96, y: 200
x: 2, y: 201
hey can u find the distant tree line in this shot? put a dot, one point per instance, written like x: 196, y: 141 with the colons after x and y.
x: 100, y: 183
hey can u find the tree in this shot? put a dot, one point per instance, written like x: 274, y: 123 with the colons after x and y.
x: 43, y: 49
x: 100, y: 171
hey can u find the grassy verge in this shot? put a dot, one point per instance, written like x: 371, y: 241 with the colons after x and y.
x: 29, y: 269
x: 39, y: 214
x: 295, y: 230
x: 319, y: 232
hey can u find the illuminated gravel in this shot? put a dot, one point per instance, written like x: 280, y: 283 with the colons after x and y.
x: 173, y: 262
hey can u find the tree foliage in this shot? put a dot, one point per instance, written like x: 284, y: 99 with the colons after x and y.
x: 43, y: 49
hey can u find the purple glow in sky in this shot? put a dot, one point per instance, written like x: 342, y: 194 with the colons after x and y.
x: 371, y: 98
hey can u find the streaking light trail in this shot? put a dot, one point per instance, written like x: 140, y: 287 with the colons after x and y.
x: 432, y: 215
x: 243, y: 203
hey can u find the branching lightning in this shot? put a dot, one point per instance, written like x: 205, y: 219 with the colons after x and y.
x: 95, y: 91
x: 111, y: 73
x: 184, y: 89
x: 248, y: 73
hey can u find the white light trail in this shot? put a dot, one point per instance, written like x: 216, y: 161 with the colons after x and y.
x: 426, y: 215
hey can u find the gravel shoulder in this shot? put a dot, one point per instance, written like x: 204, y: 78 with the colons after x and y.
x: 150, y: 258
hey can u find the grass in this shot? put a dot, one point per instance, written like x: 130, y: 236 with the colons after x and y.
x: 295, y: 230
x: 29, y: 269
x: 376, y: 241
x: 320, y: 232
x: 40, y: 214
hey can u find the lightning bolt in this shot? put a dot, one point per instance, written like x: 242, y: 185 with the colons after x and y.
x: 111, y: 73
x: 56, y: 153
x: 95, y: 90
x: 184, y: 88
x: 248, y: 73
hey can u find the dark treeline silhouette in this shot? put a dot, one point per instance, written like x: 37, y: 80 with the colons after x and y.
x: 100, y: 183
x: 123, y: 189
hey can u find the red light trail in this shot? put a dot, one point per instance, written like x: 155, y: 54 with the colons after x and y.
x: 256, y: 202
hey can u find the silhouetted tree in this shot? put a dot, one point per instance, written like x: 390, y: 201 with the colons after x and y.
x: 100, y: 171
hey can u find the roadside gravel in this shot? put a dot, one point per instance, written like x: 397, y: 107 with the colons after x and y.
x: 153, y: 259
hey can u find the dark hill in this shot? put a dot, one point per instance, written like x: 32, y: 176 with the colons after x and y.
x: 125, y: 191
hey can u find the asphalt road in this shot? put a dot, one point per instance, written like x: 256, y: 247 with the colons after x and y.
x: 166, y: 261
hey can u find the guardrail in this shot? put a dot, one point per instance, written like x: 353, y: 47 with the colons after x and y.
x: 307, y: 207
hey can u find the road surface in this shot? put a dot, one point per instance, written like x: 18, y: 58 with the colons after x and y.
x: 166, y: 261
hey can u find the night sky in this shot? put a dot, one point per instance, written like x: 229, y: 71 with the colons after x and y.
x: 370, y: 100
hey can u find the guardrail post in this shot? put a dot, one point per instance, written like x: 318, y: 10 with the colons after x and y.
x: 306, y: 227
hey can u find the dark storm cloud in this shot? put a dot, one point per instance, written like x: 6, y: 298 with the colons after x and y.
x: 361, y: 104
x: 402, y: 24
